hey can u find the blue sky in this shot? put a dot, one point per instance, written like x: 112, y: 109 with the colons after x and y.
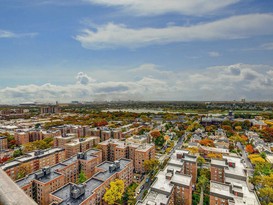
x: 135, y: 49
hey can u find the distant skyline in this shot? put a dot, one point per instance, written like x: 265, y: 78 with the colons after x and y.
x: 85, y: 50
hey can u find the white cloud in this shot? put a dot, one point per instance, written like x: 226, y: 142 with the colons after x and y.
x: 254, y: 82
x: 117, y: 35
x: 157, y: 7
x: 9, y: 34
x: 84, y: 79
x: 214, y: 54
x: 267, y: 46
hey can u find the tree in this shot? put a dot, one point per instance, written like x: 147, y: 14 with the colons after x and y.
x: 202, y: 182
x: 266, y: 193
x: 249, y: 148
x: 17, y: 153
x: 82, y: 177
x: 155, y: 134
x: 115, y: 192
x: 201, y: 161
x: 206, y: 142
x: 192, y: 150
x: 215, y: 155
x: 150, y: 165
x: 23, y: 170
x: 159, y: 141
x: 263, y: 155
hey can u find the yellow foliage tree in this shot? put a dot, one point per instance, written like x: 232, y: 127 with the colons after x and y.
x: 192, y: 150
x: 115, y: 192
x: 215, y: 155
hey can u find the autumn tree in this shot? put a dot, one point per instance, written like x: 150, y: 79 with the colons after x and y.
x: 115, y: 192
x: 23, y: 170
x: 215, y: 155
x: 249, y: 148
x: 150, y: 165
x: 192, y: 150
x: 266, y: 193
x: 155, y: 134
x: 206, y: 142
x: 201, y: 161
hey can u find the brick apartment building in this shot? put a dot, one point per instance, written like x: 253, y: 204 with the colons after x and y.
x: 228, y: 184
x: 40, y: 184
x: 92, y: 191
x: 114, y: 149
x: 189, y: 163
x: 34, y: 161
x: 3, y: 143
x: 78, y: 130
x: 50, y: 109
x: 31, y: 135
x: 171, y: 186
x: 80, y: 145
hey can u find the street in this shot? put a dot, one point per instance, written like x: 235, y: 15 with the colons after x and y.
x: 247, y: 161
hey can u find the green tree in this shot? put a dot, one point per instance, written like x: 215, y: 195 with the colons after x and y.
x: 201, y: 161
x: 115, y: 192
x: 263, y: 155
x: 82, y: 177
x: 17, y: 153
x: 202, y: 182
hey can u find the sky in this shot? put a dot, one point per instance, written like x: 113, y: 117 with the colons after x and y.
x: 86, y: 50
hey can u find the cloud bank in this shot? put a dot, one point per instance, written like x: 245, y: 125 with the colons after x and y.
x: 118, y: 35
x: 253, y: 82
x: 157, y: 7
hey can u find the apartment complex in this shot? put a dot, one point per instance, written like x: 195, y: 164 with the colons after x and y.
x: 34, y: 161
x: 114, y: 149
x: 50, y: 109
x: 189, y: 163
x: 80, y: 145
x: 78, y: 130
x: 3, y: 143
x: 62, y: 140
x: 228, y: 184
x: 30, y: 135
x: 92, y: 191
x: 40, y: 184
x: 171, y: 185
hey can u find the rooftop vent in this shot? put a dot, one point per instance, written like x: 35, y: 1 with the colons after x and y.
x: 81, y: 155
x: 117, y: 163
x: 77, y: 190
x: 44, y: 172
x: 112, y: 168
x: 38, y: 152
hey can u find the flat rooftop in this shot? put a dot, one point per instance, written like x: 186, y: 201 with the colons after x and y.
x: 48, y: 177
x: 78, y: 141
x: 70, y: 160
x: 165, y: 185
x: 64, y: 192
x: 26, y: 180
x: 105, y: 166
x: 239, y: 168
x: 31, y: 155
x: 154, y: 198
x: 249, y: 197
x: 218, y: 162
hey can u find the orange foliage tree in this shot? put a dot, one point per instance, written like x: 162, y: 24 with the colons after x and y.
x: 207, y: 142
x: 155, y: 134
x: 249, y: 148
